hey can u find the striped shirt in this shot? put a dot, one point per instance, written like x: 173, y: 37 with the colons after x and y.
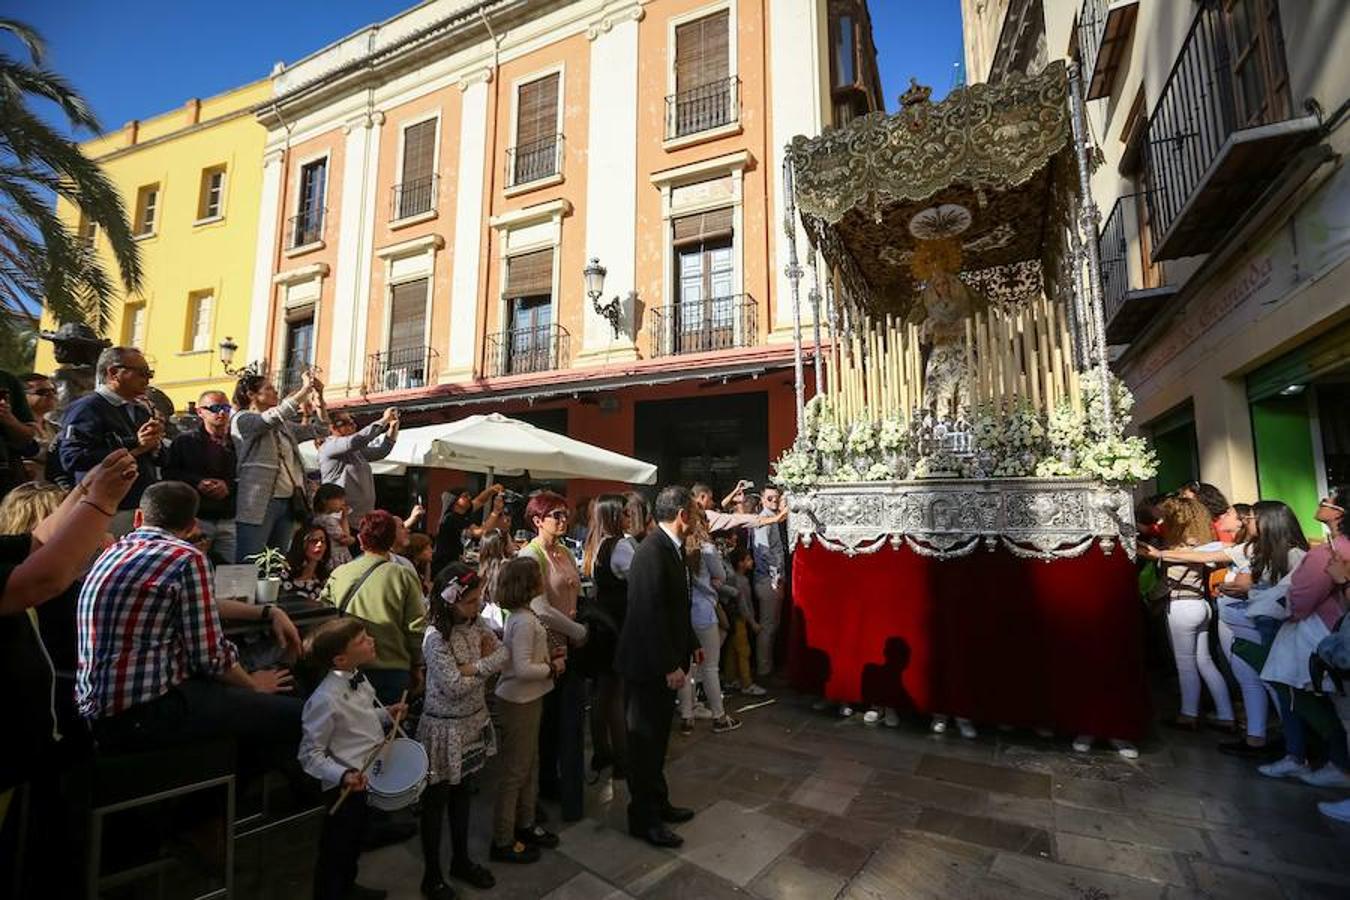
x: 147, y: 622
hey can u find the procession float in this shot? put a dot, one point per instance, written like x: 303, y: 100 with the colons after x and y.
x: 960, y: 479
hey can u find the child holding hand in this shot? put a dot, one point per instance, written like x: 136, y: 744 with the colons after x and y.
x: 743, y: 623
x: 343, y: 725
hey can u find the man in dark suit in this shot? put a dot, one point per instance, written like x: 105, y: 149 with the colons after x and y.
x: 653, y: 655
x: 113, y: 418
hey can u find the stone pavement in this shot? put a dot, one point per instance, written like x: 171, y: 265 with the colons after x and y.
x: 801, y: 804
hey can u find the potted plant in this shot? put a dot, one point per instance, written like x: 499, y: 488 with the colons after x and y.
x: 272, y: 565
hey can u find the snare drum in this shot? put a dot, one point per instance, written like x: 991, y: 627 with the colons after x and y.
x: 397, y: 778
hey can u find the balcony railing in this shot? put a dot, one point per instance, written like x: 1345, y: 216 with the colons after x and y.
x: 401, y: 368
x: 703, y: 108
x: 535, y: 161
x: 287, y: 380
x: 1104, y: 28
x: 413, y: 198
x: 519, y: 351
x: 1207, y: 160
x: 1134, y: 287
x: 306, y: 227
x: 700, y: 326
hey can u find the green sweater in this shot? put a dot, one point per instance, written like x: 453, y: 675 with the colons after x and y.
x: 389, y: 602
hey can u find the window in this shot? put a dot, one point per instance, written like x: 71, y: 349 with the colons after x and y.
x: 200, y: 306
x: 299, y: 349
x: 133, y: 325
x: 416, y: 192
x: 211, y: 198
x: 528, y: 343
x: 405, y: 364
x: 704, y: 89
x: 1257, y: 44
x: 845, y: 52
x: 705, y: 317
x: 307, y: 225
x: 147, y: 204
x: 535, y: 155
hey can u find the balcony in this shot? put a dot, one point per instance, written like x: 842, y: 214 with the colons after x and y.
x: 520, y: 351
x: 401, y: 369
x: 1134, y: 287
x: 528, y: 164
x: 1104, y: 28
x: 704, y: 108
x: 413, y: 198
x: 1221, y: 133
x: 305, y: 228
x: 702, y: 326
x: 287, y: 380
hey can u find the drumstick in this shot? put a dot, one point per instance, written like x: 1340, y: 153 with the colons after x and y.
x: 397, y: 727
x: 374, y: 754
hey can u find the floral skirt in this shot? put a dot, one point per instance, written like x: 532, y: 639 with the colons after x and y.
x: 456, y: 747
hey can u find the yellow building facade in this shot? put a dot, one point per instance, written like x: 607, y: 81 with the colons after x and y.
x: 191, y: 180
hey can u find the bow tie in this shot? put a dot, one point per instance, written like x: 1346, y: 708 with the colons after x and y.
x: 356, y: 680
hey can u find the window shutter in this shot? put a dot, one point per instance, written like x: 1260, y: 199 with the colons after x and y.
x: 530, y: 274
x: 537, y: 111
x: 407, y: 312
x: 701, y: 51
x: 703, y: 226
x: 419, y: 151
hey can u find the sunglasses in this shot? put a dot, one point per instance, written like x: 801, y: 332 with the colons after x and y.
x: 344, y: 423
x: 43, y: 392
x: 218, y: 408
x: 143, y: 371
x: 317, y: 539
x: 558, y: 515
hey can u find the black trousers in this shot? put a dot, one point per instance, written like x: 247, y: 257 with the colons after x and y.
x: 562, y: 745
x: 340, y: 844
x: 650, y: 706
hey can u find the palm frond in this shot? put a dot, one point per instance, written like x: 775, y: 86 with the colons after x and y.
x: 28, y: 36
x: 17, y: 79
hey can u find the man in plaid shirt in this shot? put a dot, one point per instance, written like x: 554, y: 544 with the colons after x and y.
x: 154, y: 665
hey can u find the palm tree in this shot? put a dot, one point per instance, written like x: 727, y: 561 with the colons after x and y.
x: 40, y: 257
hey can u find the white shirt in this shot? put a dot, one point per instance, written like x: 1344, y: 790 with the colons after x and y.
x: 341, y: 726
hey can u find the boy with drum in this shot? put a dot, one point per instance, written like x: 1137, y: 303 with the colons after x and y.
x: 343, y: 730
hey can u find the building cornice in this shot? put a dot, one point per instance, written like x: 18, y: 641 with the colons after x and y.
x: 303, y: 273
x: 615, y: 14
x: 554, y: 209
x: 417, y: 245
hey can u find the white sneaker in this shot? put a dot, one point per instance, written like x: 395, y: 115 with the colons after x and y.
x: 939, y: 725
x: 1125, y: 749
x: 1284, y: 768
x: 845, y: 711
x: 1329, y: 775
x: 871, y: 717
x: 1340, y: 810
x: 702, y: 712
x: 1082, y: 743
x: 966, y: 728
x: 754, y: 690
x: 892, y: 718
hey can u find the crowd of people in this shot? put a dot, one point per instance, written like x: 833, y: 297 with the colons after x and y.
x: 508, y: 633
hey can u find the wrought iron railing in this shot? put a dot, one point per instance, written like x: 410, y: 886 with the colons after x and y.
x: 1195, y: 115
x: 703, y: 108
x: 1091, y: 29
x: 287, y: 380
x: 401, y: 368
x: 306, y: 227
x: 526, y: 163
x: 413, y: 198
x: 1123, y: 238
x: 519, y: 351
x: 700, y: 326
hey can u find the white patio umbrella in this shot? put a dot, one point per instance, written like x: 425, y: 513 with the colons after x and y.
x: 309, y: 455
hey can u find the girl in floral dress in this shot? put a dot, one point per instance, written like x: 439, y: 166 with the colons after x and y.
x: 461, y: 653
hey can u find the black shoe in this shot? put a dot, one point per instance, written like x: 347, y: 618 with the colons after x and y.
x: 472, y: 873
x: 1245, y: 750
x: 514, y: 853
x: 674, y: 815
x: 660, y: 836
x: 537, y: 836
x: 361, y: 892
x: 437, y: 890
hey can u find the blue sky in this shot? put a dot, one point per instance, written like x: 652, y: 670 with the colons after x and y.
x: 137, y: 58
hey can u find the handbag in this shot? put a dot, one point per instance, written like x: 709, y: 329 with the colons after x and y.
x: 356, y: 586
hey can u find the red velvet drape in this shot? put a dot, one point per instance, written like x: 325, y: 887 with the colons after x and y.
x: 990, y: 636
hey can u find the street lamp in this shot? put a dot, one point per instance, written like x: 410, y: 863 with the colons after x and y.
x: 227, y: 350
x: 595, y: 287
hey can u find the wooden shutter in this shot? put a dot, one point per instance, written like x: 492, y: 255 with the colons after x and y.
x: 702, y: 226
x: 537, y: 111
x: 407, y: 314
x: 530, y: 274
x: 419, y: 151
x: 701, y: 51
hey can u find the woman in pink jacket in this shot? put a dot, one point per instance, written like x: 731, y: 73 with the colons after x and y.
x: 1315, y: 603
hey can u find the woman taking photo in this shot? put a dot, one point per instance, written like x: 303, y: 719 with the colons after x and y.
x: 1185, y: 526
x: 604, y: 616
x: 308, y: 563
x: 562, y: 736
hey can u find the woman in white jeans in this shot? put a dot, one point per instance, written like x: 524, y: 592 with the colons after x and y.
x: 707, y: 573
x: 1186, y: 524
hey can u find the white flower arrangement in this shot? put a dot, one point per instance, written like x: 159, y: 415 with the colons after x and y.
x: 862, y: 439
x: 893, y: 435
